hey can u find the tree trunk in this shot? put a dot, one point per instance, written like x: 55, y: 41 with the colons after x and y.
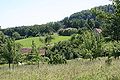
x: 9, y: 65
x: 38, y: 64
x: 13, y: 65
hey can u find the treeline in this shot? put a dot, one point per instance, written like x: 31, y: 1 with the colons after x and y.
x: 36, y: 30
x: 85, y: 18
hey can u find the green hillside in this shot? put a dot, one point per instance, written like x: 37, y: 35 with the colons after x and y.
x: 27, y: 42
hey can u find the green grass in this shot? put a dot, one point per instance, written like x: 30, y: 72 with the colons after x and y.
x: 74, y: 70
x: 27, y: 42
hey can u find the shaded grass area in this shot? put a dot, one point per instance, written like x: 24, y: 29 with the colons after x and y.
x: 28, y: 41
x: 74, y: 70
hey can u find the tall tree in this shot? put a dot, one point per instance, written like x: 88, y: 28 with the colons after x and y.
x: 16, y: 35
x: 46, y: 40
x: 112, y: 21
x: 34, y: 56
x: 115, y: 19
x: 35, y: 53
x: 2, y: 43
x: 8, y: 52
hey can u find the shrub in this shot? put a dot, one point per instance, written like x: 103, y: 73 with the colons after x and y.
x: 67, y: 31
x: 55, y: 57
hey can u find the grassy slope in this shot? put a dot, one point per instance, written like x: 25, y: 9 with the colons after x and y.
x: 27, y: 42
x: 74, y: 70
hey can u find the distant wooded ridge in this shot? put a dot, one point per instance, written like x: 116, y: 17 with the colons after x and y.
x: 85, y: 18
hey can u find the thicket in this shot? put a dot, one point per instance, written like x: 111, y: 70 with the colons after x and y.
x: 67, y: 31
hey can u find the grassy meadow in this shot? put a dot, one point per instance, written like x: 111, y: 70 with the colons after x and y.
x: 78, y: 69
x: 28, y: 41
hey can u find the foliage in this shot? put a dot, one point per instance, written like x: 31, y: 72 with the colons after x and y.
x: 65, y: 48
x: 112, y: 49
x: 33, y: 57
x: 2, y: 43
x: 85, y: 41
x: 16, y: 35
x: 67, y: 31
x: 11, y: 52
x: 110, y: 21
x: 35, y: 30
x: 56, y: 58
x: 48, y: 39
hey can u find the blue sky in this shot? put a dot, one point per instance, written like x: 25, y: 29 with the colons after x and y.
x: 29, y: 12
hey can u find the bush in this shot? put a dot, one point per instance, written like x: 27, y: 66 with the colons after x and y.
x: 67, y: 31
x: 55, y: 57
x: 2, y: 61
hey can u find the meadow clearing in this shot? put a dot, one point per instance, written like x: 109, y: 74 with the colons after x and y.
x: 28, y: 41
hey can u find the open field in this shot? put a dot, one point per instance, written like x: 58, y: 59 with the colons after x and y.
x: 28, y: 41
x: 74, y: 70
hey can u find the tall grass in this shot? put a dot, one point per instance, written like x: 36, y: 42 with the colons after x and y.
x: 73, y: 70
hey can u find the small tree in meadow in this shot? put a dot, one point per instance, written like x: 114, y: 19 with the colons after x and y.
x: 91, y: 45
x: 33, y: 56
x: 11, y: 52
x: 2, y: 44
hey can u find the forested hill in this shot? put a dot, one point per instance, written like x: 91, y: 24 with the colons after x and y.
x: 85, y: 18
x: 77, y: 20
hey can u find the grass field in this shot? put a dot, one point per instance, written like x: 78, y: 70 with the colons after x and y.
x: 74, y: 70
x: 27, y: 42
